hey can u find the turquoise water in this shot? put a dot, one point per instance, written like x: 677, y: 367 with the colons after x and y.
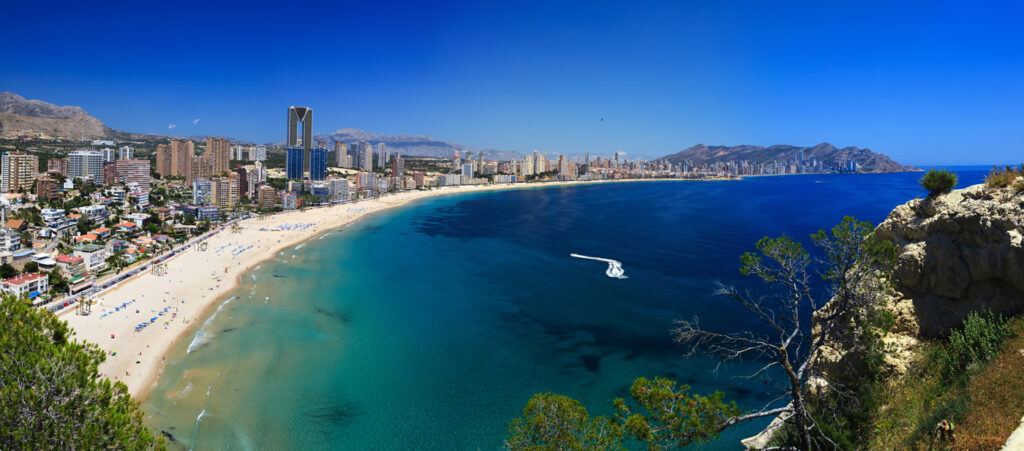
x: 429, y: 327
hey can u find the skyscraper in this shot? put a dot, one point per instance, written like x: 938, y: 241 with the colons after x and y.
x: 181, y: 158
x: 125, y: 153
x: 18, y: 171
x: 340, y: 155
x: 317, y: 163
x: 109, y: 154
x: 302, y: 114
x: 86, y: 165
x: 218, y: 150
x: 294, y: 163
x: 365, y: 156
x: 133, y: 171
x: 381, y: 157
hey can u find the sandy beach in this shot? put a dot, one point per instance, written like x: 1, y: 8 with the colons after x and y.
x: 173, y: 303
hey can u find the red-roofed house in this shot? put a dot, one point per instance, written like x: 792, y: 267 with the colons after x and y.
x: 126, y: 227
x: 87, y: 238
x: 25, y: 284
x: 101, y: 232
x: 71, y: 265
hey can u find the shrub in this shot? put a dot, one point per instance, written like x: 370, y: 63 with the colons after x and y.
x: 976, y: 343
x: 1003, y: 177
x: 938, y: 181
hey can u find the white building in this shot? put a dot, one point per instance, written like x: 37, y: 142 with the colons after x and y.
x: 25, y: 284
x: 86, y: 165
x: 108, y: 154
x: 258, y: 153
x: 93, y: 255
x: 126, y: 153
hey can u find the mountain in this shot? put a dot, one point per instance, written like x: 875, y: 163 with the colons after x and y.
x: 409, y: 145
x: 17, y: 113
x: 828, y: 154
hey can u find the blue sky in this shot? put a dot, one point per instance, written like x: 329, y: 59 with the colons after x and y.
x: 925, y: 82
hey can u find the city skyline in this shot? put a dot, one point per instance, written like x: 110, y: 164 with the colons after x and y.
x: 925, y: 84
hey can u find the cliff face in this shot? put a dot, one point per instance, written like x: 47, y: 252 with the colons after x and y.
x: 959, y: 252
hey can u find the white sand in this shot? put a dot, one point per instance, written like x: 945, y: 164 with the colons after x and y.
x: 200, y: 278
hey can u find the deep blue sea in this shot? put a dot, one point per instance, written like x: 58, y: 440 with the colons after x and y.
x: 430, y: 326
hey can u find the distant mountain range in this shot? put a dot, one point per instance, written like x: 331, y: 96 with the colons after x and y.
x: 409, y: 145
x: 828, y: 154
x: 17, y: 113
x: 72, y: 122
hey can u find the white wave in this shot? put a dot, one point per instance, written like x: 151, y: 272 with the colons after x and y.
x: 614, y: 270
x: 293, y: 256
x: 202, y: 337
x: 187, y: 389
x: 257, y: 267
x: 200, y: 417
x: 253, y: 276
x: 300, y: 246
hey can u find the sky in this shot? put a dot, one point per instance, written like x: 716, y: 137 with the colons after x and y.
x: 928, y: 83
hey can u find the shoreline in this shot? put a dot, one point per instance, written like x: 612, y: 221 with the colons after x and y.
x: 254, y: 244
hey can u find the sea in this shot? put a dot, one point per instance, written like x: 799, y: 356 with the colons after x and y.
x: 430, y: 326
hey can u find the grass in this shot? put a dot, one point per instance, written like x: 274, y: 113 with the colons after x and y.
x: 1003, y: 177
x: 984, y: 402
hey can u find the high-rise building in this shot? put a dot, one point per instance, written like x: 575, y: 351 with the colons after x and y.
x: 109, y: 173
x: 304, y: 115
x: 258, y: 153
x: 109, y: 155
x: 365, y: 156
x: 47, y: 189
x: 201, y: 192
x: 57, y: 166
x: 133, y: 171
x: 293, y: 163
x: 397, y: 166
x: 163, y: 160
x: 224, y: 191
x: 125, y: 153
x: 266, y: 197
x: 243, y: 181
x: 218, y: 150
x: 86, y: 165
x: 18, y: 171
x: 382, y: 155
x: 317, y: 163
x: 182, y: 153
x: 341, y: 155
x: 563, y: 165
x: 467, y: 171
x: 202, y: 167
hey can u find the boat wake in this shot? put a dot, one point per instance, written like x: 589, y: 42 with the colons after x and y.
x: 614, y: 270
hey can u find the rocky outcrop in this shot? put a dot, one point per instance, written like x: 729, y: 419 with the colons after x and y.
x: 960, y: 252
x: 17, y: 114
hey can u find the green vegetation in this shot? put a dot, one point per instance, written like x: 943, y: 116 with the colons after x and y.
x: 665, y: 417
x: 557, y: 422
x: 50, y: 391
x: 974, y: 344
x: 938, y: 181
x: 856, y: 267
x: 1003, y: 177
x: 981, y: 399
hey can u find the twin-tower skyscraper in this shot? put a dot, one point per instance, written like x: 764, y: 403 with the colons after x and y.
x: 306, y: 161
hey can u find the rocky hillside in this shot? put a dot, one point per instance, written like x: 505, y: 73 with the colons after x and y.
x: 410, y: 145
x: 960, y: 252
x: 826, y: 153
x: 17, y: 113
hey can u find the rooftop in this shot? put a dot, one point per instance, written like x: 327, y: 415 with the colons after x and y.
x: 22, y: 279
